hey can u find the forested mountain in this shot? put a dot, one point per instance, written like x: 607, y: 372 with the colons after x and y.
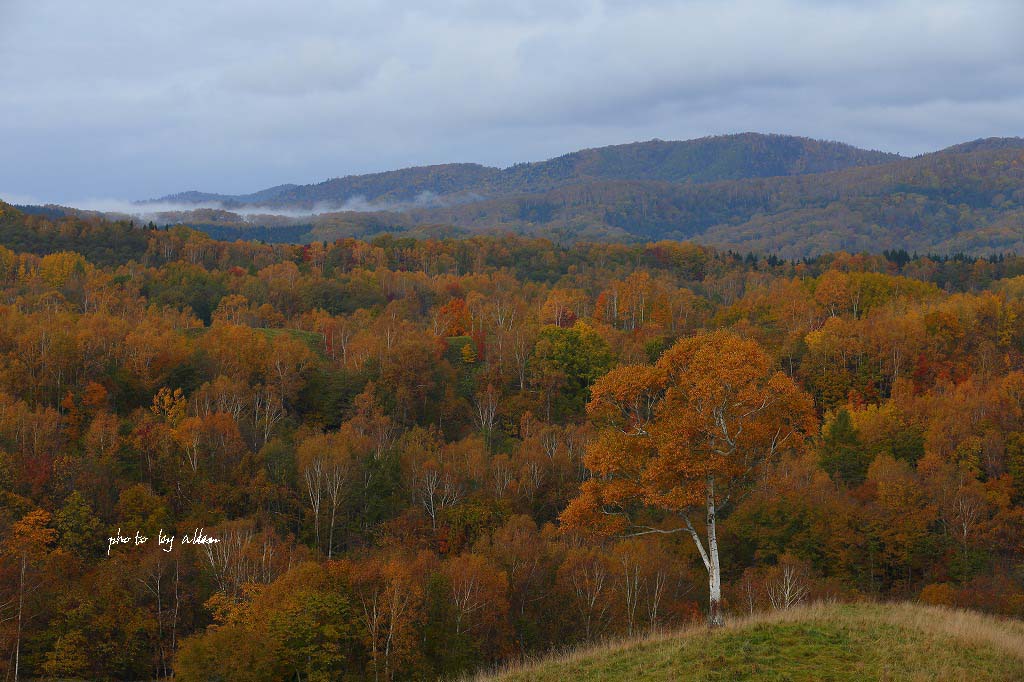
x: 103, y: 242
x: 763, y: 193
x: 727, y: 157
x: 946, y: 202
x: 987, y: 144
x: 789, y: 196
x: 384, y: 188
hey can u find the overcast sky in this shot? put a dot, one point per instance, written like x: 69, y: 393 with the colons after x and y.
x: 133, y: 99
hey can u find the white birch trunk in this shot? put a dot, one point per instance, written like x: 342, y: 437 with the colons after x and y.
x: 715, y: 618
x: 21, y: 607
x: 710, y: 558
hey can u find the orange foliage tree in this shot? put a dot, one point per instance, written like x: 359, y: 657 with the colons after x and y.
x: 686, y: 434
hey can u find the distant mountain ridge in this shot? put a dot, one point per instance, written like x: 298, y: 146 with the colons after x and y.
x: 790, y: 196
x: 944, y: 202
x: 708, y: 159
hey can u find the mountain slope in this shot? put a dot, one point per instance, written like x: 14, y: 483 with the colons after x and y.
x: 790, y: 196
x: 854, y: 642
x: 388, y: 189
x: 727, y: 157
x: 944, y: 202
x: 6, y: 210
x: 986, y: 144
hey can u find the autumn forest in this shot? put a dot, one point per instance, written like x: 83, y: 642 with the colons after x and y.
x: 420, y: 458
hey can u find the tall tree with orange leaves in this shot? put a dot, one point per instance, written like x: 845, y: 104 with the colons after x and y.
x: 684, y: 436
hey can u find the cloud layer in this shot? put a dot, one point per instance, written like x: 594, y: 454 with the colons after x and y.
x: 137, y: 100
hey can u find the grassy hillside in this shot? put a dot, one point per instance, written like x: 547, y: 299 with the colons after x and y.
x: 848, y: 642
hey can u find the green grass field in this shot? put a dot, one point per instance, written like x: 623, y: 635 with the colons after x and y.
x: 808, y: 644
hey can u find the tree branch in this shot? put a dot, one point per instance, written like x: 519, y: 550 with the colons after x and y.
x: 696, y: 541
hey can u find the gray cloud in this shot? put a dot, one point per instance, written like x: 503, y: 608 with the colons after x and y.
x: 136, y: 100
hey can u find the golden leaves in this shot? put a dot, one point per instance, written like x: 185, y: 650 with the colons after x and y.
x: 712, y: 406
x: 169, y: 405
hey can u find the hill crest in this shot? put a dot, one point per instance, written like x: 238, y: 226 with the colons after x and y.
x: 852, y: 642
x: 706, y: 159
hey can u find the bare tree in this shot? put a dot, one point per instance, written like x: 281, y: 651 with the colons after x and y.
x: 787, y: 585
x: 485, y: 411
